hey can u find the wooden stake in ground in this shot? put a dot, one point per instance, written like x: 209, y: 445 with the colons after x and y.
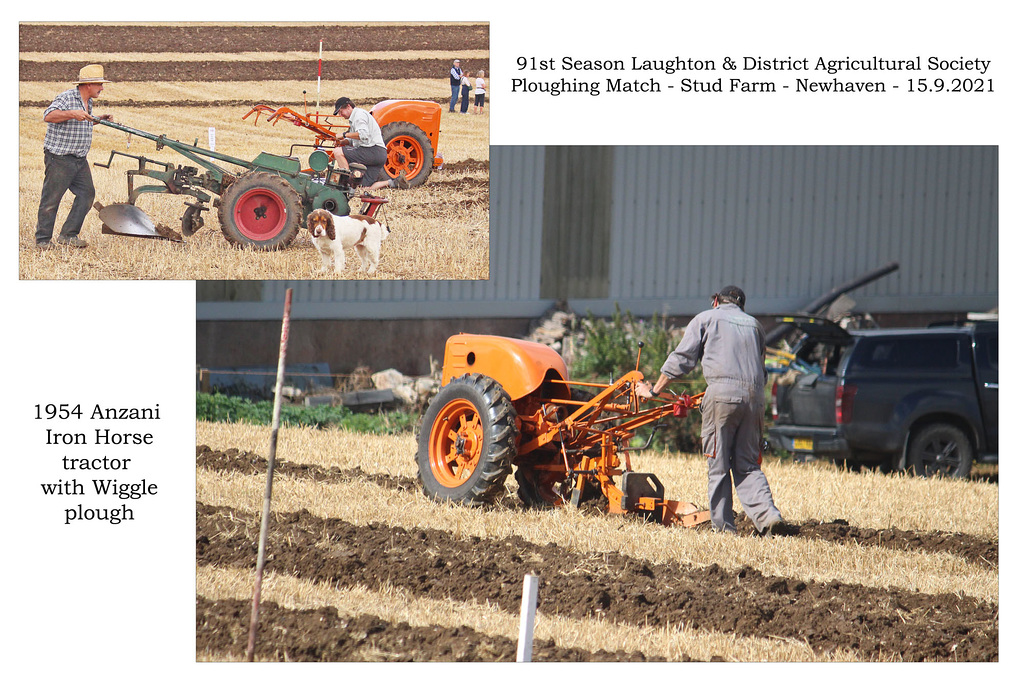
x: 264, y: 526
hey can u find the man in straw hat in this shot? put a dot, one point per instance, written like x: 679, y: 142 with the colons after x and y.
x: 69, y: 123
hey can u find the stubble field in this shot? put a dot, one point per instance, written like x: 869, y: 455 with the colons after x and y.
x: 362, y: 567
x: 180, y: 80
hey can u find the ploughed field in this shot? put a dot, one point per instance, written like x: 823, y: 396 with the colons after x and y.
x: 362, y: 567
x: 181, y: 80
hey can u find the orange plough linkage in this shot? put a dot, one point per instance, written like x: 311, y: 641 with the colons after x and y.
x: 325, y: 131
x: 602, y: 426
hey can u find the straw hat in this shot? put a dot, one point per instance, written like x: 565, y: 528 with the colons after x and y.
x: 91, y: 74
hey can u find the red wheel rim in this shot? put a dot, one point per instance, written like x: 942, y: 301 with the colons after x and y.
x: 456, y: 443
x: 404, y: 154
x: 260, y: 214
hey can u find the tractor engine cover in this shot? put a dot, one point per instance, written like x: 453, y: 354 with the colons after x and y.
x: 519, y: 366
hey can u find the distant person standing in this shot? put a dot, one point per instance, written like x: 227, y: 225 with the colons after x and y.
x: 69, y: 123
x: 455, y: 75
x: 478, y: 93
x: 467, y: 85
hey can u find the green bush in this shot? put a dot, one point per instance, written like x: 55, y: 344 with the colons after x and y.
x: 220, y: 408
x: 609, y: 350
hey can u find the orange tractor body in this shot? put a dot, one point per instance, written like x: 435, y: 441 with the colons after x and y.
x: 411, y: 130
x: 507, y: 404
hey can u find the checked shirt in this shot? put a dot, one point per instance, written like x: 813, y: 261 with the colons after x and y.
x: 71, y: 136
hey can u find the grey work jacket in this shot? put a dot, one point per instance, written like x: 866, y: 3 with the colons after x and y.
x: 729, y: 344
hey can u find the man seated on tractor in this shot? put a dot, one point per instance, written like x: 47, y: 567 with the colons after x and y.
x: 363, y: 144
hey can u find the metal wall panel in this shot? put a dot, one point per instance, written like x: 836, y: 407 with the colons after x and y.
x: 786, y: 223
x: 790, y: 223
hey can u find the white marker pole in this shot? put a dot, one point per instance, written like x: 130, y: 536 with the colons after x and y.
x: 319, y: 70
x: 213, y: 139
x: 527, y: 613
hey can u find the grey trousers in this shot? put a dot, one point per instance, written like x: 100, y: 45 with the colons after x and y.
x: 731, y: 432
x: 64, y: 173
x: 373, y: 158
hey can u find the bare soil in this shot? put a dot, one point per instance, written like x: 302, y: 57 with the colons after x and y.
x: 972, y: 548
x: 198, y: 39
x: 186, y: 38
x: 876, y: 623
x: 323, y: 635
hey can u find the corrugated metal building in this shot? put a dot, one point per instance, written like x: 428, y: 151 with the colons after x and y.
x: 658, y: 229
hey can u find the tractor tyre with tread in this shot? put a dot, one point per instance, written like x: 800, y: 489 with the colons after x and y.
x: 409, y: 150
x: 467, y: 441
x: 260, y: 210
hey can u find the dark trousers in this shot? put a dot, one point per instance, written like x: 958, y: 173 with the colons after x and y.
x: 465, y: 99
x: 373, y: 158
x: 64, y: 173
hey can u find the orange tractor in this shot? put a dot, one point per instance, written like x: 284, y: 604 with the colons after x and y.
x: 410, y: 129
x: 506, y: 403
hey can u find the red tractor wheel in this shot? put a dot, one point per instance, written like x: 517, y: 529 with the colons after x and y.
x: 467, y: 441
x: 261, y: 210
x: 409, y: 150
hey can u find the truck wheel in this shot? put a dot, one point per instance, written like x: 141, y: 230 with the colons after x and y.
x: 261, y: 210
x: 409, y: 150
x: 940, y: 449
x: 467, y: 441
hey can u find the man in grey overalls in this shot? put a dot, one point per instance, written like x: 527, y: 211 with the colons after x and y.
x: 729, y: 344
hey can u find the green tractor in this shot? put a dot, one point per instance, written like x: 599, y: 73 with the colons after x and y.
x: 261, y: 203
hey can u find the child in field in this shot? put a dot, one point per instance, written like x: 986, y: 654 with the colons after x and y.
x: 478, y: 101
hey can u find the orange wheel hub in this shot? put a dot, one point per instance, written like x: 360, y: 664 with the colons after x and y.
x: 456, y: 443
x: 404, y: 154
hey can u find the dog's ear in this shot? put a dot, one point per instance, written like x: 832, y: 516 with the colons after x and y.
x: 330, y: 225
x: 309, y: 220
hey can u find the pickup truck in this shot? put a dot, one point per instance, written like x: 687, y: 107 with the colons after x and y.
x: 925, y: 400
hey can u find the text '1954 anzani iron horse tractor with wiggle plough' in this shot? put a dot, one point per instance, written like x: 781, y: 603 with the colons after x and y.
x: 506, y: 403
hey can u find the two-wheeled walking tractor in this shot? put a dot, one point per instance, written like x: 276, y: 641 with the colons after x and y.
x: 506, y: 404
x: 261, y: 203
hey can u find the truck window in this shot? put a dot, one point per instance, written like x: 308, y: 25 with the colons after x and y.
x: 988, y: 353
x: 918, y: 353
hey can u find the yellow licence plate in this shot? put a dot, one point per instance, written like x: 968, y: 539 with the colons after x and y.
x: 803, y: 444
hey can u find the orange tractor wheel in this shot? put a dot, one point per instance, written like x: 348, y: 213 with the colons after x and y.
x: 409, y: 150
x: 467, y: 441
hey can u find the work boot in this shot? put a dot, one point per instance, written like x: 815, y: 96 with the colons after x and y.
x: 73, y: 241
x: 778, y: 527
x: 401, y: 180
x: 44, y: 246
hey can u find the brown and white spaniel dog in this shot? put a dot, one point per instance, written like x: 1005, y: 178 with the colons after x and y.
x: 333, y: 234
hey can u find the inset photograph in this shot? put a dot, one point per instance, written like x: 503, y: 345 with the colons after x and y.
x: 201, y: 151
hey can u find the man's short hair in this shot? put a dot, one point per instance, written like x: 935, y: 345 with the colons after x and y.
x: 341, y: 103
x: 732, y: 294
